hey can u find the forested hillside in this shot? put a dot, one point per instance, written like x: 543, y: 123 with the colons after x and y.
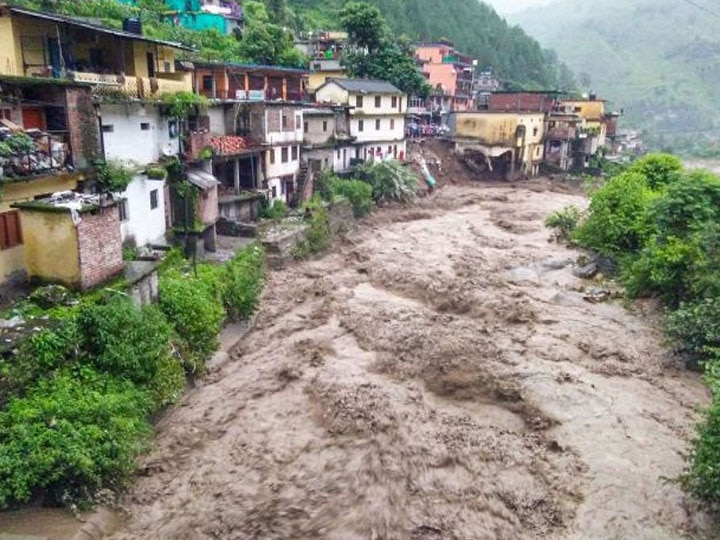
x: 657, y: 59
x: 474, y: 27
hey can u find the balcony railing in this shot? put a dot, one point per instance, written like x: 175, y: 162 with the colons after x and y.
x: 134, y: 87
x: 34, y: 153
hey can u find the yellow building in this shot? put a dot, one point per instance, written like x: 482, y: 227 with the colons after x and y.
x: 592, y: 111
x: 35, y: 44
x: 510, y: 143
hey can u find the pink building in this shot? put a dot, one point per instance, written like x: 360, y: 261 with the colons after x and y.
x: 449, y: 72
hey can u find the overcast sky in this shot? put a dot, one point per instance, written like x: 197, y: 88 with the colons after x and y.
x: 505, y: 7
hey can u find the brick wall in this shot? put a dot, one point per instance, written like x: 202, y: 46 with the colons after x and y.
x: 521, y: 101
x: 100, y: 246
x: 83, y: 127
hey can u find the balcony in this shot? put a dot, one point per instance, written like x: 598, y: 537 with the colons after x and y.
x: 197, y: 145
x: 133, y: 87
x: 31, y: 153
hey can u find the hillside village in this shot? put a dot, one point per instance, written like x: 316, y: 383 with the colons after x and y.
x: 276, y: 299
x: 255, y: 133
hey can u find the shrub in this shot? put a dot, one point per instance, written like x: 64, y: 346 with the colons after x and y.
x: 694, y: 331
x: 390, y: 181
x: 71, y: 436
x: 659, y: 170
x: 194, y: 308
x: 243, y: 279
x: 564, y: 222
x: 617, y: 221
x: 318, y: 236
x: 113, y: 177
x: 275, y: 211
x: 124, y: 341
x: 359, y: 193
x: 702, y: 478
x: 156, y: 173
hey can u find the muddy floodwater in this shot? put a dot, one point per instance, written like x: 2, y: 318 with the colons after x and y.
x: 440, y: 375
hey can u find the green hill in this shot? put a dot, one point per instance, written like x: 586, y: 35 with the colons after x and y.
x: 656, y: 59
x: 474, y: 28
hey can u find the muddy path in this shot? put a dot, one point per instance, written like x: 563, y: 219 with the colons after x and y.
x: 438, y: 376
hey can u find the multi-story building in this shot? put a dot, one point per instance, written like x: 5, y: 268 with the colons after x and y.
x: 327, y: 142
x: 35, y: 44
x: 242, y: 82
x: 225, y: 16
x: 137, y: 136
x: 508, y: 143
x: 325, y: 50
x: 451, y: 75
x: 376, y: 115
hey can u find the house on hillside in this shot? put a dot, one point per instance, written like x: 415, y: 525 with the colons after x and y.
x: 376, y: 116
x: 327, y: 142
x: 246, y: 82
x: 138, y: 136
x: 325, y: 50
x: 505, y: 143
x: 224, y: 16
x: 49, y: 142
x: 450, y: 73
x: 114, y: 62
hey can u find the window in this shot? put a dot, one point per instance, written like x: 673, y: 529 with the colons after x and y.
x: 284, y: 121
x: 393, y: 101
x: 361, y: 125
x: 305, y: 129
x: 294, y: 153
x: 145, y: 126
x: 272, y: 156
x: 359, y: 102
x: 10, y: 232
x: 123, y: 210
x: 153, y: 199
x: 389, y: 150
x: 326, y: 163
x: 377, y: 125
x: 325, y: 125
x: 298, y: 122
x: 274, y: 192
x: 108, y: 128
x: 338, y: 153
x: 535, y: 131
x: 284, y: 154
x: 392, y: 123
x: 378, y: 102
x: 207, y: 83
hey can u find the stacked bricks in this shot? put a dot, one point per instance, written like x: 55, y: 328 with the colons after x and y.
x: 100, y: 247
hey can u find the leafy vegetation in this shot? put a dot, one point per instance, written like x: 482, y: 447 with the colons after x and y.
x: 662, y: 226
x: 390, y: 181
x: 359, y: 193
x: 78, y: 396
x: 113, y: 177
x: 275, y: 211
x: 318, y: 236
x: 474, y: 27
x: 564, y: 222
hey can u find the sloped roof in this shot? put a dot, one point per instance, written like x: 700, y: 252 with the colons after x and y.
x: 202, y: 179
x: 365, y: 86
x: 230, y: 145
x: 78, y: 23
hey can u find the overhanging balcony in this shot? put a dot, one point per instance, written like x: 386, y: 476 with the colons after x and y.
x: 133, y: 87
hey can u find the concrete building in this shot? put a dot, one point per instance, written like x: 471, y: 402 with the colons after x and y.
x: 451, y: 75
x: 376, y: 115
x: 508, y: 143
x: 49, y: 141
x: 138, y: 136
x: 35, y: 44
x: 241, y: 82
x: 327, y: 140
x: 325, y: 51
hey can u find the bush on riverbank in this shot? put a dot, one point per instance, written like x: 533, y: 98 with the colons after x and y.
x: 78, y: 396
x: 662, y: 226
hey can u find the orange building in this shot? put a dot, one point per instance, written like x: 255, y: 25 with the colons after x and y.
x: 449, y: 72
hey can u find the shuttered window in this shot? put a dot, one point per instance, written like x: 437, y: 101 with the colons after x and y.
x: 10, y: 232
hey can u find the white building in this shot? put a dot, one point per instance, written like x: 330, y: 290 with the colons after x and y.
x: 282, y: 135
x: 377, y: 115
x: 137, y: 135
x: 327, y: 139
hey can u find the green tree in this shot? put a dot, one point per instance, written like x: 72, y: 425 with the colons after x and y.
x: 375, y: 54
x: 658, y: 169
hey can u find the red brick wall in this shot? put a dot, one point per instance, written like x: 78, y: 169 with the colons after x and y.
x: 100, y: 246
x: 83, y: 127
x: 521, y: 102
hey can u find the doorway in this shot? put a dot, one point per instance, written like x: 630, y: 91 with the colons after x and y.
x: 151, y: 64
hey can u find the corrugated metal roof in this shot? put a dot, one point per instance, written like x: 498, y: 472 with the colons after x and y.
x: 89, y: 26
x: 202, y: 179
x: 369, y: 86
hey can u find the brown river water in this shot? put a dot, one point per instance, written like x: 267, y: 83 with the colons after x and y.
x: 439, y: 375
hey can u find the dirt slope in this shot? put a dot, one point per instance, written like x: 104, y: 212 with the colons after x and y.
x: 439, y: 376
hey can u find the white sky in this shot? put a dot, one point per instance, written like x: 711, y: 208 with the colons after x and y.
x: 505, y: 7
